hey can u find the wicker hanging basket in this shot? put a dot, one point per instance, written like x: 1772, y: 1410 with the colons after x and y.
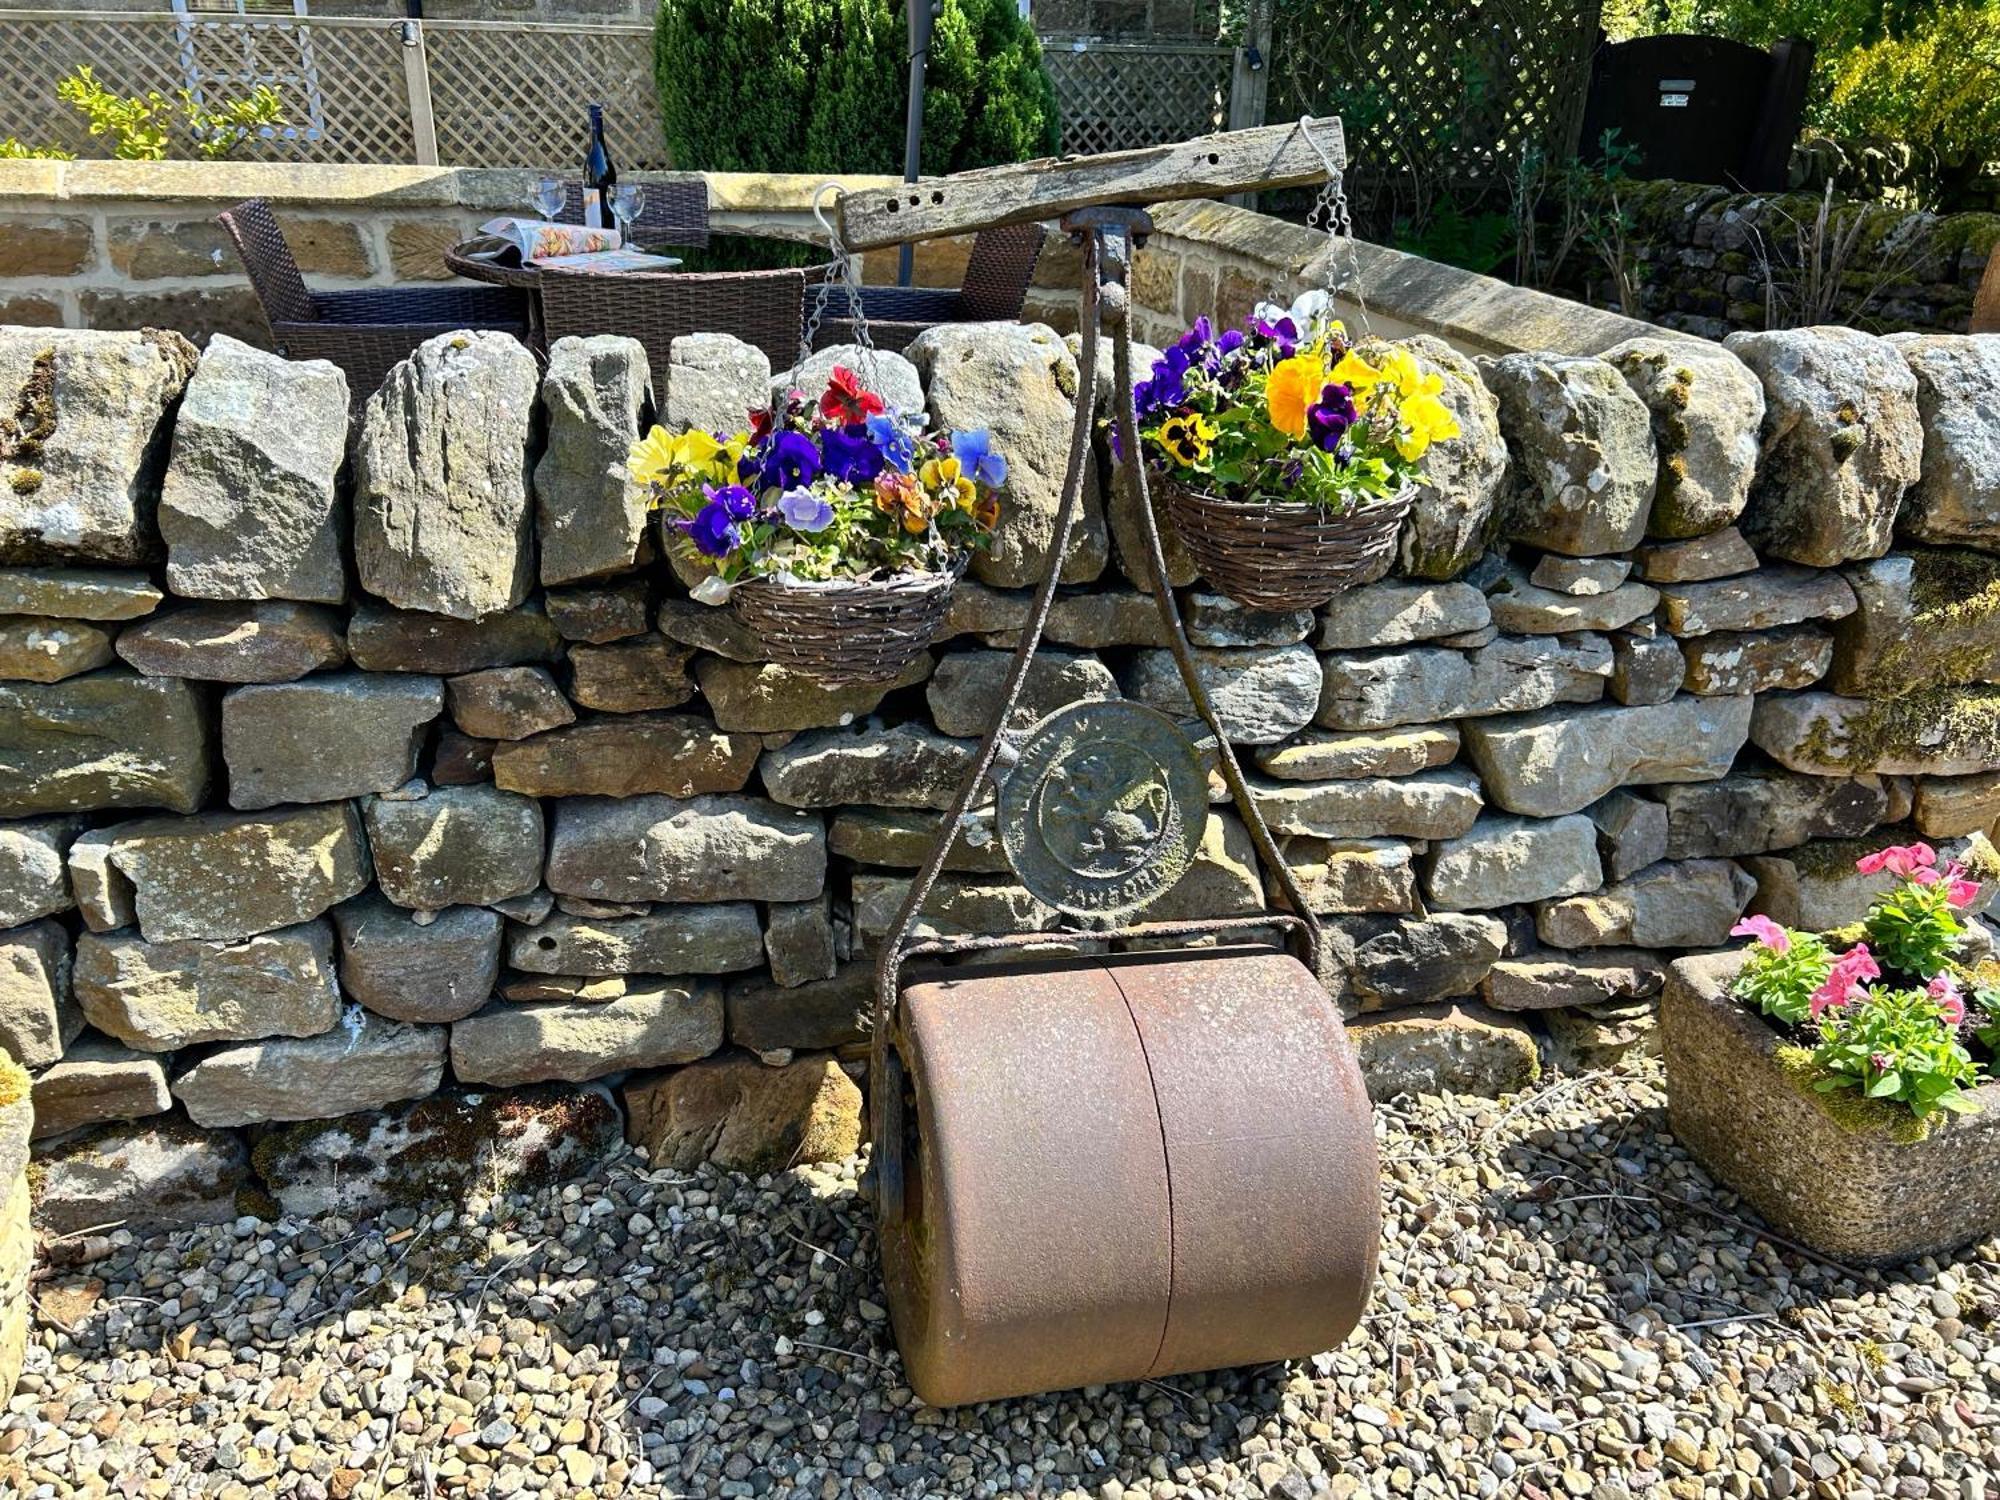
x: 1279, y: 555
x: 845, y: 632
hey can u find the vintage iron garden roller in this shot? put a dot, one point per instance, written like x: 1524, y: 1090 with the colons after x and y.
x: 1107, y: 1168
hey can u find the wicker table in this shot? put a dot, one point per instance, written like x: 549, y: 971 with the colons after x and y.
x: 765, y: 308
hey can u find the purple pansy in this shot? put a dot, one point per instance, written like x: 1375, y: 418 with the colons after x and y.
x: 899, y: 449
x: 1328, y: 419
x: 712, y: 532
x: 791, y: 460
x: 804, y: 511
x: 973, y: 449
x: 851, y: 455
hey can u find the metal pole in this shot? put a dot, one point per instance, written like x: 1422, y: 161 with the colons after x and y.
x: 922, y: 14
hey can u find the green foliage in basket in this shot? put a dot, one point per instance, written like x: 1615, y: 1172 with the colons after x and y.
x: 841, y: 488
x: 818, y: 86
x: 1285, y: 409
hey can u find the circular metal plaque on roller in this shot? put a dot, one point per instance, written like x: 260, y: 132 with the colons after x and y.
x: 1104, y: 809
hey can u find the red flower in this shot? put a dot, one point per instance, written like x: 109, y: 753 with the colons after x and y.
x: 761, y: 422
x: 846, y: 401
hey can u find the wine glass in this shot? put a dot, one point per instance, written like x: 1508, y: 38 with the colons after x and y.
x: 549, y: 198
x: 627, y: 198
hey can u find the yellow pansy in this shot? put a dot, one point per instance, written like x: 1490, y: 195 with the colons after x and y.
x: 1402, y: 370
x: 1186, y: 437
x: 1294, y: 385
x: 1357, y: 375
x: 651, y: 457
x: 695, y: 449
x: 942, y: 478
x: 1425, y: 420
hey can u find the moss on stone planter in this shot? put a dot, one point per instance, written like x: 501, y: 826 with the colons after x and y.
x: 1822, y: 1168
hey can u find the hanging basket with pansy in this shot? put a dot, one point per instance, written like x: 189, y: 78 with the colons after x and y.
x: 835, y: 529
x: 1287, y: 461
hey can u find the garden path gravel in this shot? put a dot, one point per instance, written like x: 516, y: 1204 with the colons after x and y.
x: 1547, y: 1323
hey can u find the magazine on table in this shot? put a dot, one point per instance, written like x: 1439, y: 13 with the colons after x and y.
x: 608, y: 260
x: 537, y: 240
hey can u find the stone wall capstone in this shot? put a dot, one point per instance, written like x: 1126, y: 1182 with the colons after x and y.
x: 379, y: 815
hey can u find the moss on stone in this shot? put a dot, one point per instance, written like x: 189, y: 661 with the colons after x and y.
x: 1847, y: 1108
x: 1960, y: 722
x: 15, y: 1084
x: 34, y: 419
x: 25, y: 481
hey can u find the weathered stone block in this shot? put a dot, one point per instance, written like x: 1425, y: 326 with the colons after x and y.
x: 266, y: 640
x: 631, y: 676
x: 1645, y: 669
x: 681, y: 755
x: 1841, y: 438
x: 455, y: 846
x: 341, y: 734
x: 1438, y: 804
x: 1389, y: 961
x: 1503, y: 861
x: 441, y: 488
x: 1394, y: 613
x: 965, y: 690
x: 250, y: 508
x: 507, y: 703
x: 707, y: 848
x: 37, y: 1018
x: 508, y: 1044
x: 1547, y: 979
x: 84, y: 440
x: 1762, y: 600
x: 1456, y: 1049
x: 1926, y: 619
x: 159, y: 996
x: 1939, y: 732
x: 1556, y: 761
x: 741, y: 1115
x: 223, y: 876
x: 397, y: 640
x: 77, y: 593
x: 440, y: 970
x: 33, y: 882
x: 713, y: 938
x: 870, y: 764
x: 1463, y: 480
x: 366, y: 1063
x: 98, y: 1081
x: 158, y: 1174
x: 1948, y: 807
x: 1384, y: 689
x: 49, y: 649
x: 768, y: 1017
x: 1631, y: 832
x: 715, y: 380
x: 799, y: 942
x: 1733, y: 662
x: 109, y: 739
x: 901, y: 838
x: 613, y: 611
x: 1697, y: 559
x: 1957, y: 496
x: 1706, y: 410
x: 1526, y: 609
x: 1584, y: 465
x: 763, y: 698
x: 1261, y: 695
x: 1755, y: 811
x: 1686, y: 904
x: 1316, y: 755
x: 590, y: 516
x: 1354, y: 875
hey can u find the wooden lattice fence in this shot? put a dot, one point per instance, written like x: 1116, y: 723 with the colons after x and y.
x: 1439, y: 97
x: 1116, y: 95
x: 354, y: 89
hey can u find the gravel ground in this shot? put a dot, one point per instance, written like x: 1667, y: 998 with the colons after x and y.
x: 1545, y: 1324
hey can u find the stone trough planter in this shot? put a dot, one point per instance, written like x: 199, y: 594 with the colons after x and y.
x: 1853, y: 1191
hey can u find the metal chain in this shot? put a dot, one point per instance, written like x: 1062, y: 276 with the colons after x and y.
x: 1331, y: 216
x: 846, y: 269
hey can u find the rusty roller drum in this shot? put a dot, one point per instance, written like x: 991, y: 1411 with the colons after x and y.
x: 1122, y: 1167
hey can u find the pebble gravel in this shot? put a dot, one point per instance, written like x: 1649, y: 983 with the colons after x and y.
x: 1549, y: 1321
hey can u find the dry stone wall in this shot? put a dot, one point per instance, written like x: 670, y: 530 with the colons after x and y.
x: 379, y: 817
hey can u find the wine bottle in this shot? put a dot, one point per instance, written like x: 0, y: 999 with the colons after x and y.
x: 600, y: 176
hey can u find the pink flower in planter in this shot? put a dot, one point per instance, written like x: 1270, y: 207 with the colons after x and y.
x: 1843, y: 983
x: 1900, y: 860
x: 1765, y: 931
x: 1951, y: 1005
x: 1958, y: 891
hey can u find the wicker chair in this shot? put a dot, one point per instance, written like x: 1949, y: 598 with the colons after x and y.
x: 367, y: 332
x: 995, y: 286
x: 671, y: 213
x: 765, y: 308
